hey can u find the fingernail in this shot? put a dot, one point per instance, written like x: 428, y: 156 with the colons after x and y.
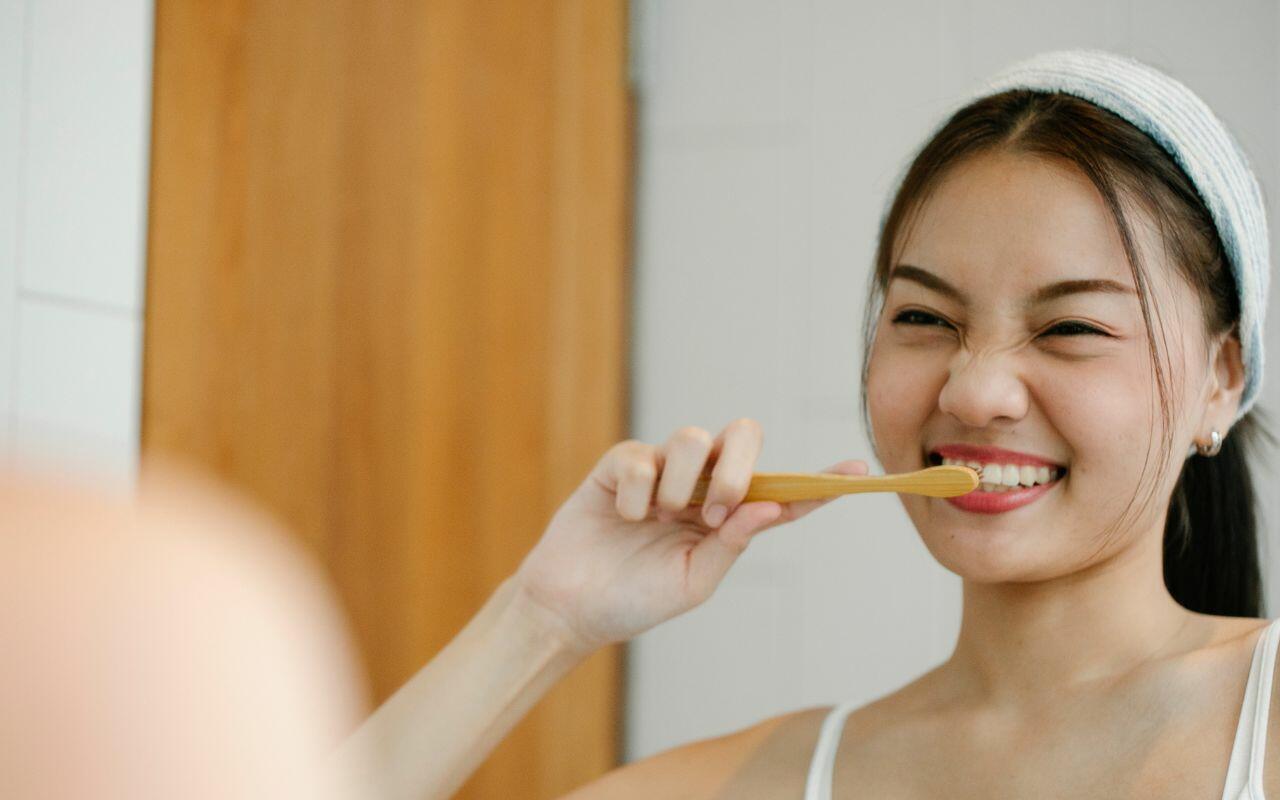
x: 714, y: 515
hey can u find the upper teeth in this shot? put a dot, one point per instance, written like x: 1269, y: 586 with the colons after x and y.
x: 1008, y: 474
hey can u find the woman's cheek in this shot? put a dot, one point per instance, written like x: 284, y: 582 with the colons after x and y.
x: 1100, y: 408
x: 902, y: 391
x: 1119, y: 396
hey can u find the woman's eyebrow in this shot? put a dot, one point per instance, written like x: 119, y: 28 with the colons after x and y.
x: 1040, y: 296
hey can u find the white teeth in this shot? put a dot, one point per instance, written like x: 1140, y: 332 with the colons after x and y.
x: 1001, y: 477
x: 1010, y: 475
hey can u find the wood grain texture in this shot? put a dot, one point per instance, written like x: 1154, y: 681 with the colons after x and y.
x: 388, y: 242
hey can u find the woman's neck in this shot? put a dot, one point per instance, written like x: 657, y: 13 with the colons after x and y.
x: 1018, y: 640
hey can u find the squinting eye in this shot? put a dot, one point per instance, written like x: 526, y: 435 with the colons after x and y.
x: 1076, y: 328
x: 1069, y: 328
x: 917, y: 315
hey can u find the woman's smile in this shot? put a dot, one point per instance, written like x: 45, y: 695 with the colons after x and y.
x: 1008, y: 479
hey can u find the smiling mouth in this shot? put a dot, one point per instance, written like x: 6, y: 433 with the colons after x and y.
x: 997, y: 478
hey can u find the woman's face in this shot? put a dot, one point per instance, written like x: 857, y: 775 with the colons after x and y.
x: 990, y: 364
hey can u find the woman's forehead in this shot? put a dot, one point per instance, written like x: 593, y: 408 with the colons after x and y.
x: 1020, y: 222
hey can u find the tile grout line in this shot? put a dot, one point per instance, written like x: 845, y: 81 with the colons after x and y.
x: 78, y: 303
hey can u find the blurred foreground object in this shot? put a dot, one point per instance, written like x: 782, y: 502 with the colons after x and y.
x: 167, y: 643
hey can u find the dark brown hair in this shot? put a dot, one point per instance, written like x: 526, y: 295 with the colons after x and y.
x: 1211, y: 529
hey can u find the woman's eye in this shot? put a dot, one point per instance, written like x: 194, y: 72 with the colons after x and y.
x: 1068, y: 328
x: 1073, y: 328
x: 915, y: 317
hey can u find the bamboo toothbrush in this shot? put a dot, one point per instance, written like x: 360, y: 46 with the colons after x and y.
x: 784, y: 487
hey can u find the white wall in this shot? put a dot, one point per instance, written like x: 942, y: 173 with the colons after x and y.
x: 75, y: 107
x: 769, y: 133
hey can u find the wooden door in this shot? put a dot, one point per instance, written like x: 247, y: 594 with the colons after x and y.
x: 386, y: 296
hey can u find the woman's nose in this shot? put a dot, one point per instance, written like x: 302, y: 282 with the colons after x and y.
x: 982, y: 388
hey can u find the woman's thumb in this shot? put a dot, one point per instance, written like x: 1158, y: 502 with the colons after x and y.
x: 712, y: 557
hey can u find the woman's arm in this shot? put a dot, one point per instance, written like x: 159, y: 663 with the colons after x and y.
x: 428, y: 738
x: 625, y: 552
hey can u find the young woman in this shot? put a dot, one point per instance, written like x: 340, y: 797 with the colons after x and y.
x: 1068, y: 296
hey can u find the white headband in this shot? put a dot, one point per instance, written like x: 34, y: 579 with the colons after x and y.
x: 1180, y: 122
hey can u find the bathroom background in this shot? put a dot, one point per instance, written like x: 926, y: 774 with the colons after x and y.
x: 761, y: 137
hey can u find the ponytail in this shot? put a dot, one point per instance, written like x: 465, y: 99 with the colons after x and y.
x: 1211, y: 534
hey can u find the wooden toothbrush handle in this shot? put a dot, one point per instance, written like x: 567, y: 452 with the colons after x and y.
x: 786, y: 487
x: 781, y: 487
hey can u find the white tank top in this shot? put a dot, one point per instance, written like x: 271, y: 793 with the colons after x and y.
x: 1244, y: 774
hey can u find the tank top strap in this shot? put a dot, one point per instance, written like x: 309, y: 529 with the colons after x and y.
x: 1262, y: 707
x: 822, y: 767
x: 1244, y: 771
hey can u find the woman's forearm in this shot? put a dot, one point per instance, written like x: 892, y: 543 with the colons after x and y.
x: 427, y: 739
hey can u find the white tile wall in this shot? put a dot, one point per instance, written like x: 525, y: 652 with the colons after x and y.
x: 769, y: 135
x: 88, y: 118
x: 75, y: 107
x: 12, y: 52
x: 741, y: 77
x: 78, y: 392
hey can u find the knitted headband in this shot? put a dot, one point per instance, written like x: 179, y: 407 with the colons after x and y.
x: 1181, y: 123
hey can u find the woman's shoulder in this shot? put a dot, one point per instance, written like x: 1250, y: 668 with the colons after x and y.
x: 1226, y: 630
x: 1215, y: 639
x: 778, y: 766
x: 767, y: 759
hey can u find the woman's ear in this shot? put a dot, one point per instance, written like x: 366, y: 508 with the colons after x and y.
x: 1226, y: 381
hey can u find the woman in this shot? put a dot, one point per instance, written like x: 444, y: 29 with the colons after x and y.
x: 1067, y: 292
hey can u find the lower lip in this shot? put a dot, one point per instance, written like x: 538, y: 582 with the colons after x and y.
x: 981, y: 502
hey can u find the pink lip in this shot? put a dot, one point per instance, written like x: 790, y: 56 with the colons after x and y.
x: 991, y: 455
x: 982, y: 502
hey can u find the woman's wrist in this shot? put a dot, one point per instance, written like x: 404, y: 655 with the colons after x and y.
x: 432, y: 734
x: 540, y: 622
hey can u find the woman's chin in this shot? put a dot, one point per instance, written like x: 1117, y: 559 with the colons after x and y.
x: 988, y: 555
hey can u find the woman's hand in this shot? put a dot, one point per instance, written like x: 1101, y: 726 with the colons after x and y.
x: 626, y: 551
